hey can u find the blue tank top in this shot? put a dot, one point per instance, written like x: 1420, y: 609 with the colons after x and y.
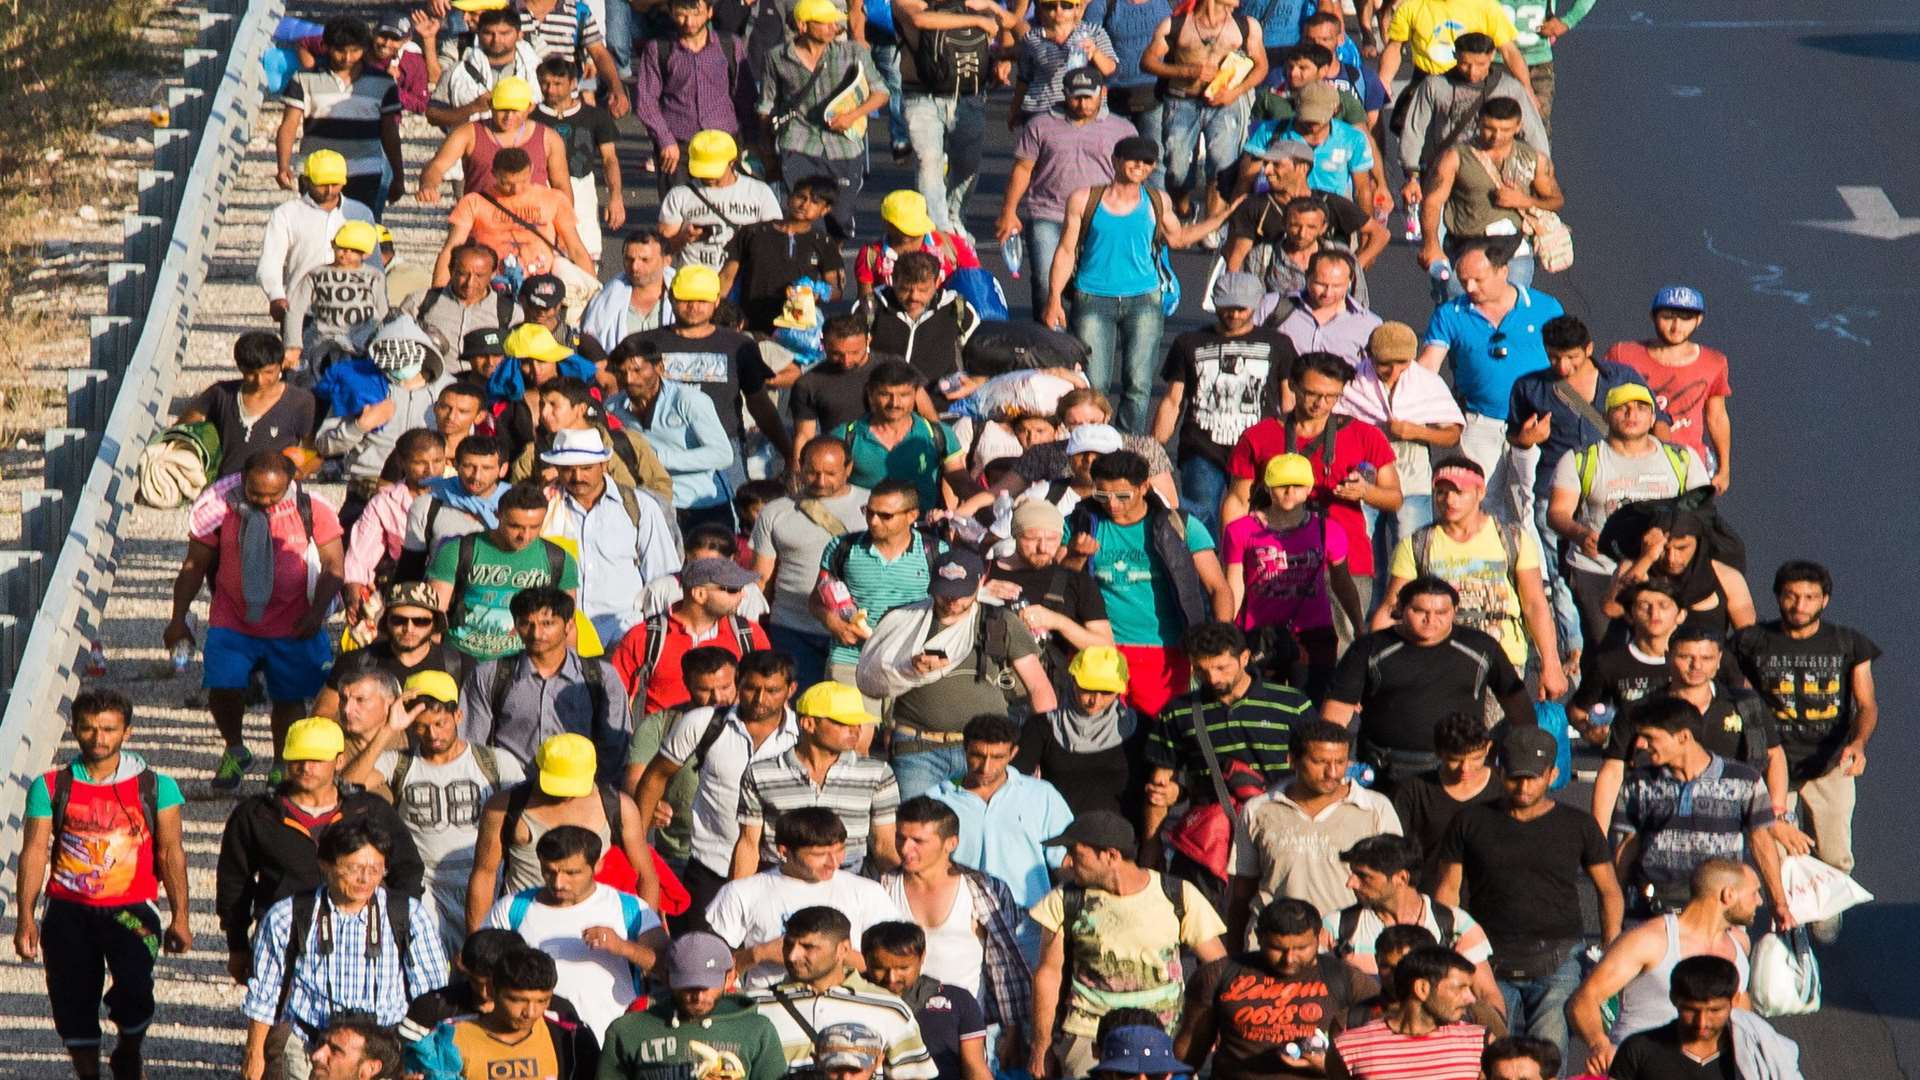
x: 1117, y: 259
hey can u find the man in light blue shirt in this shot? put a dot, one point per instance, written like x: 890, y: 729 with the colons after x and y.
x: 1343, y: 159
x: 1005, y: 817
x: 684, y: 429
x: 622, y: 537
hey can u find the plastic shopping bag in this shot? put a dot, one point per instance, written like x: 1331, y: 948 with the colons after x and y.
x: 1817, y: 891
x: 1786, y: 977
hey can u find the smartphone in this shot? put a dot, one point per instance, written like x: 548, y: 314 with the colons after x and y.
x: 937, y: 654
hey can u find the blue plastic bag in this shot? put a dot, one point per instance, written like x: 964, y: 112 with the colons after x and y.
x: 978, y: 286
x: 279, y: 64
x: 1552, y: 718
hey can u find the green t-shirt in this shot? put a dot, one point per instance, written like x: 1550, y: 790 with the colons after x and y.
x: 485, y: 631
x: 917, y: 459
x: 1141, y: 601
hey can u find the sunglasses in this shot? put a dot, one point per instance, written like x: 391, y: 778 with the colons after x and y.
x: 1056, y: 5
x: 1113, y: 496
x: 1497, y: 345
x: 884, y: 514
x: 410, y: 620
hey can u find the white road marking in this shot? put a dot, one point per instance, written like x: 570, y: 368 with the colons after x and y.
x: 1873, y: 217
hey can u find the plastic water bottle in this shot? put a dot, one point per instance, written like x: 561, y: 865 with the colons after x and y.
x: 1014, y: 252
x: 1441, y: 271
x: 96, y: 661
x: 1360, y: 773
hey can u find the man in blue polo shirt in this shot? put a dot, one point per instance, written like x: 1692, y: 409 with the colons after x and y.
x: 1492, y: 338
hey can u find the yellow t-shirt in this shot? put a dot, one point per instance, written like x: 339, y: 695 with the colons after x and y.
x: 1478, y: 569
x: 1429, y: 27
x: 1126, y: 950
x: 484, y: 1057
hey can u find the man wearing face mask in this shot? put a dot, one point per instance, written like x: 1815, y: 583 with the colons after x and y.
x: 414, y: 373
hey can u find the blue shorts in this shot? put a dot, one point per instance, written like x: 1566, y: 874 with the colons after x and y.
x: 296, y: 667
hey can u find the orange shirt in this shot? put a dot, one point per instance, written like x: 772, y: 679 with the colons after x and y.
x: 489, y: 225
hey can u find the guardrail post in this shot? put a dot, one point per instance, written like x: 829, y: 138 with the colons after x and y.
x: 159, y: 193
x: 44, y: 518
x: 67, y: 460
x: 129, y: 290
x: 187, y: 108
x: 110, y: 343
x: 89, y: 398
x: 172, y: 152
x: 23, y: 582
x: 216, y: 36
x: 203, y: 65
x: 144, y: 240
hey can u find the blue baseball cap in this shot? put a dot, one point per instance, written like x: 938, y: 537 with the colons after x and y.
x: 1680, y: 298
x: 1139, y: 1049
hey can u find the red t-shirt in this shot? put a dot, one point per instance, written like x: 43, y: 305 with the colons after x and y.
x: 1358, y: 443
x: 667, y: 688
x: 213, y: 521
x: 1681, y: 391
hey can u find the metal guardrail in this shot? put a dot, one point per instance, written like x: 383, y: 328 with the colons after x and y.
x: 53, y: 589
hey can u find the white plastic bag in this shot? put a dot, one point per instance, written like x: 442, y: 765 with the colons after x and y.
x: 1786, y: 977
x: 1817, y: 891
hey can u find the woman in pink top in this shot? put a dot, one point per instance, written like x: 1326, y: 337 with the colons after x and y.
x: 1689, y: 380
x: 1285, y: 565
x: 418, y: 457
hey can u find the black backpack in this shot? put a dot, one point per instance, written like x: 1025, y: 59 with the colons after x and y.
x: 60, y: 787
x: 953, y: 62
x: 1350, y: 922
x: 656, y: 629
x: 1074, y: 901
x: 463, y: 574
x: 399, y: 921
x: 503, y: 671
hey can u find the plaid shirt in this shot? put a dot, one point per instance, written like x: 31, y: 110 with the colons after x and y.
x: 344, y: 978
x: 1008, y: 979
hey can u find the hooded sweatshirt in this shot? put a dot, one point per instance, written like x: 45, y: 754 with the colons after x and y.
x: 652, y: 1045
x: 365, y: 452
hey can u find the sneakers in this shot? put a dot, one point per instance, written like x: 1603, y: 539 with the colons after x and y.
x: 232, y: 769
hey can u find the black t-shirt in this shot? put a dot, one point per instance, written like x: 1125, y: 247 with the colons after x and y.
x: 1656, y: 1055
x: 584, y: 131
x: 831, y: 395
x: 725, y: 364
x: 1113, y: 779
x: 379, y: 656
x: 283, y: 426
x: 1426, y: 811
x: 771, y: 258
x: 1523, y: 876
x: 1404, y: 690
x: 947, y: 1015
x: 1257, y: 1013
x: 1808, y: 683
x: 1725, y: 732
x: 1080, y: 601
x: 1618, y: 676
x: 1265, y: 218
x: 1232, y: 383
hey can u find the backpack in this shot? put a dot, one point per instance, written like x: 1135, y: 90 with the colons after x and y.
x: 60, y: 787
x: 463, y: 571
x: 521, y: 794
x: 1350, y: 922
x: 1161, y: 255
x: 656, y: 628
x: 838, y: 568
x: 1074, y: 903
x: 483, y: 756
x: 1422, y: 544
x: 503, y: 669
x: 953, y: 62
x: 1587, y: 461
x: 729, y: 47
x: 502, y: 308
x: 399, y: 920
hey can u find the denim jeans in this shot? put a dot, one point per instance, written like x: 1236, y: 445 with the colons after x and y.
x: 1151, y: 124
x: 620, y: 37
x: 1538, y: 1007
x: 886, y: 57
x: 1043, y: 239
x: 948, y: 134
x: 1122, y: 334
x: 1189, y: 118
x: 1566, y: 614
x: 1201, y: 484
x: 923, y: 770
x: 809, y: 652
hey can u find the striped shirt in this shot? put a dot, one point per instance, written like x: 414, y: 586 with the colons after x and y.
x: 855, y: 1001
x: 1683, y: 823
x: 343, y: 978
x: 1254, y: 730
x: 1042, y: 62
x: 346, y: 118
x: 859, y: 789
x: 1376, y: 1052
x: 567, y: 31
x: 878, y: 584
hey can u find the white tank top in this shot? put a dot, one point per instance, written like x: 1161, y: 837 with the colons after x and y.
x: 955, y: 952
x: 1644, y: 1004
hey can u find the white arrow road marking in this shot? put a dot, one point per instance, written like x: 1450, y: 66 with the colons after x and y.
x: 1874, y: 216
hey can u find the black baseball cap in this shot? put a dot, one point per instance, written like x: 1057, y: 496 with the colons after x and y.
x: 482, y: 343
x: 543, y: 291
x: 1529, y: 751
x: 956, y: 573
x: 1099, y: 829
x: 1137, y: 148
x: 1081, y: 82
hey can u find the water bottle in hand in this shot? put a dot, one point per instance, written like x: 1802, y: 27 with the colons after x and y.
x: 1014, y: 251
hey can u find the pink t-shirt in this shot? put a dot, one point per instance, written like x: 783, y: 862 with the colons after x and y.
x: 211, y: 521
x: 1286, y: 571
x: 1681, y: 391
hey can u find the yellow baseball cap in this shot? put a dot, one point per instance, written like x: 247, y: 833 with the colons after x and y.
x: 479, y: 5
x: 1626, y: 392
x: 907, y: 212
x: 1289, y: 470
x: 531, y: 341
x: 512, y: 92
x: 696, y: 282
x: 1101, y: 668
x: 326, y: 167
x: 437, y: 685
x: 567, y: 764
x: 386, y: 234
x: 358, y: 236
x: 314, y: 739
x: 834, y: 701
x: 709, y: 153
x: 818, y: 11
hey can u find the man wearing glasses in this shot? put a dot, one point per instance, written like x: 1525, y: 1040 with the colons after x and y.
x: 438, y: 782
x: 409, y: 643
x: 1491, y: 337
x: 882, y: 568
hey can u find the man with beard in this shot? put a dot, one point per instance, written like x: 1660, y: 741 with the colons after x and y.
x: 637, y: 299
x: 1723, y: 896
x: 1433, y: 989
x: 1063, y: 609
x: 1267, y: 1006
x: 497, y: 52
x: 788, y: 539
x: 410, y: 643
